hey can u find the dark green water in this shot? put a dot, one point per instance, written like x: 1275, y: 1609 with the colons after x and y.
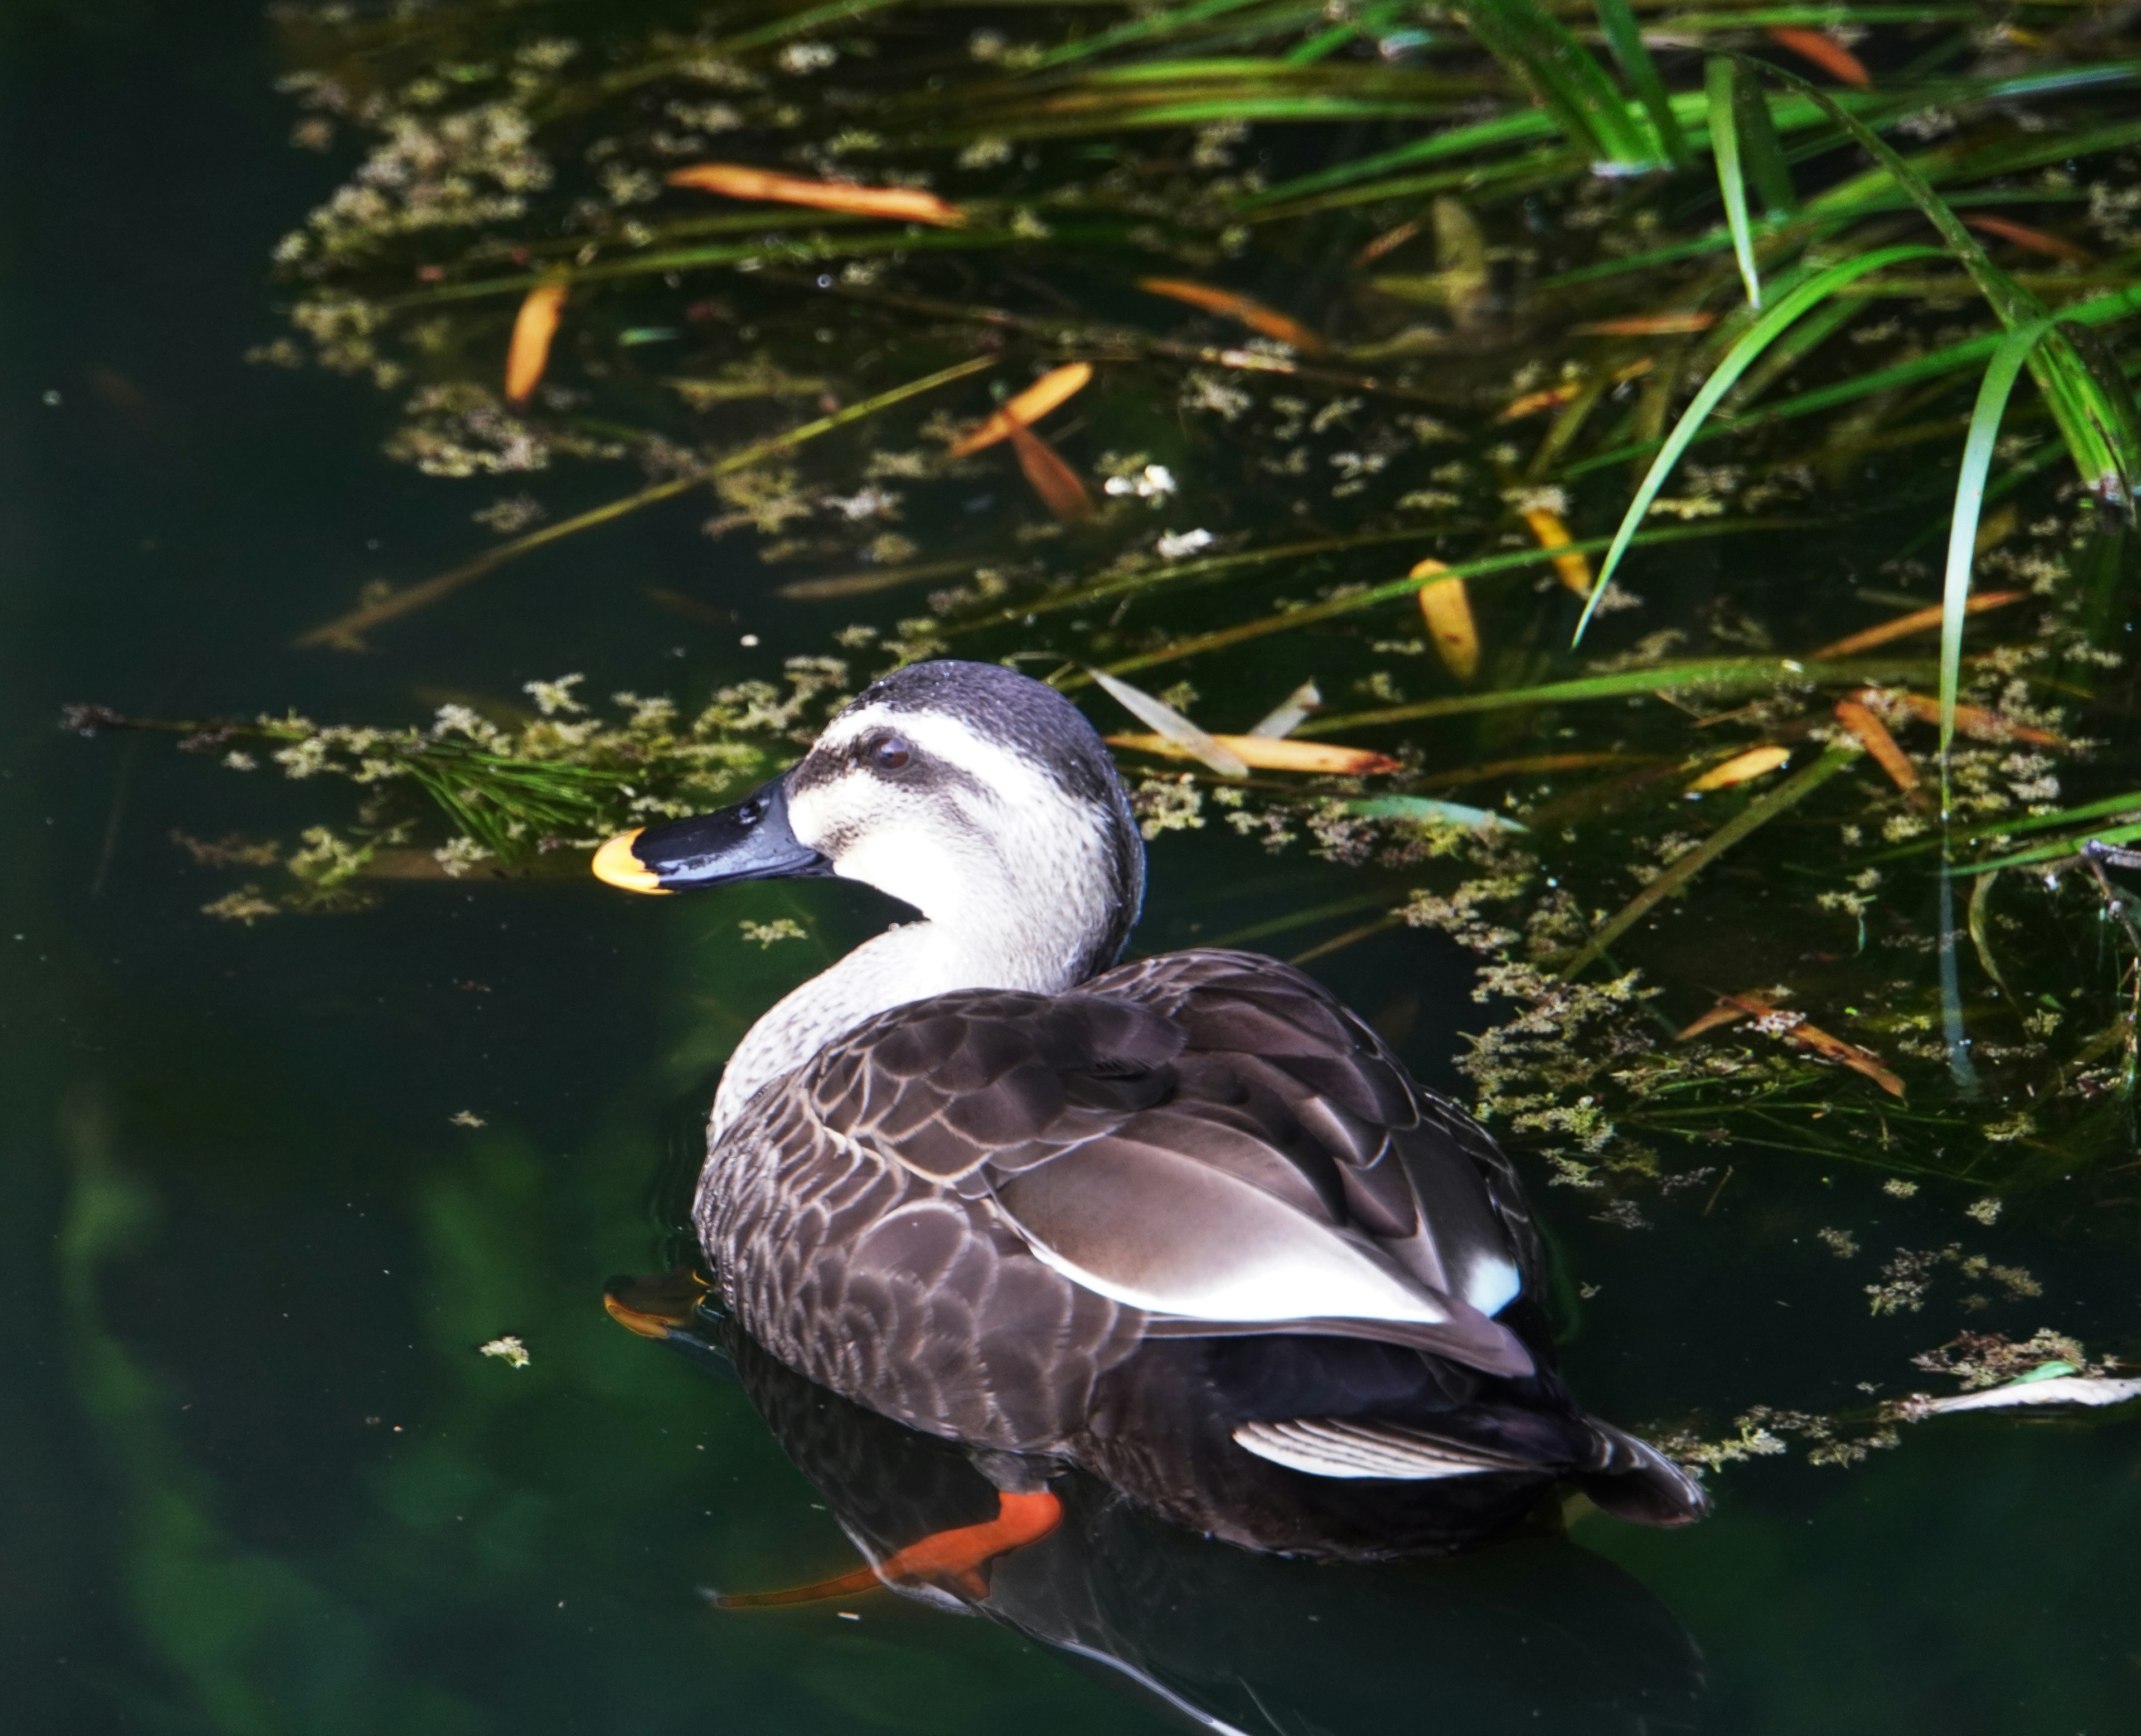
x: 256, y: 1478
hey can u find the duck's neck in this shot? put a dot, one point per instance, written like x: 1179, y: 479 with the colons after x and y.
x: 908, y: 963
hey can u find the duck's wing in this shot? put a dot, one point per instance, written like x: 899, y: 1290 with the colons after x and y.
x: 1208, y: 1137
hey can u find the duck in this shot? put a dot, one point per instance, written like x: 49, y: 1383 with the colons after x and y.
x: 1182, y: 1221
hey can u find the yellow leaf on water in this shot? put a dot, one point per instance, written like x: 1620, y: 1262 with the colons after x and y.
x: 533, y: 328
x: 1269, y: 753
x: 1574, y: 569
x: 1755, y: 763
x: 1253, y: 314
x: 737, y: 180
x: 1446, y: 606
x: 1027, y: 408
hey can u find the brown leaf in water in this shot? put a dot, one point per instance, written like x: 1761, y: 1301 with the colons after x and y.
x: 735, y: 181
x: 1793, y: 1028
x: 1446, y: 606
x: 1724, y: 1013
x: 1270, y: 753
x: 1645, y: 325
x: 1027, y: 408
x: 1054, y: 481
x: 1872, y: 735
x: 1756, y: 762
x: 1973, y: 721
x: 1253, y: 314
x: 1824, y: 51
x: 2036, y: 240
x: 1575, y: 570
x: 1918, y: 621
x: 1389, y: 242
x: 533, y: 328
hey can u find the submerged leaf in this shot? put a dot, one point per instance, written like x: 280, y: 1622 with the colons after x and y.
x: 1645, y: 325
x: 1172, y: 725
x: 1793, y: 1028
x: 1872, y: 735
x: 737, y: 180
x: 1756, y: 762
x: 1918, y: 621
x: 1253, y: 314
x: 2084, y: 1390
x: 533, y: 328
x: 1290, y: 714
x: 1824, y: 51
x: 1057, y: 484
x: 1427, y: 808
x: 1446, y: 606
x: 1574, y: 566
x: 1272, y: 753
x: 2037, y: 241
x: 1052, y: 389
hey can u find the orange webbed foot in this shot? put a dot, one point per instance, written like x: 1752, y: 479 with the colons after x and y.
x: 958, y: 1557
x: 656, y: 1307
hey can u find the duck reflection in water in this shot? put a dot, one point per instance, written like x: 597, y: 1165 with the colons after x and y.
x: 1185, y: 1223
x: 1531, y: 1634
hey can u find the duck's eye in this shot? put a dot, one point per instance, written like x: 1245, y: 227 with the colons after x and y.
x: 890, y: 754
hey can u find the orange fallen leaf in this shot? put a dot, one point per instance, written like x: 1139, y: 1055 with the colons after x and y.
x: 735, y: 180
x: 1918, y: 621
x: 1872, y: 735
x: 1974, y: 721
x: 1555, y: 396
x: 533, y: 328
x: 1824, y: 51
x: 1028, y: 407
x: 1389, y: 241
x: 1532, y: 402
x: 1054, y: 481
x: 1740, y: 767
x: 1793, y: 1028
x: 1645, y: 325
x: 1574, y: 569
x: 1724, y: 1013
x: 1253, y: 314
x: 2037, y: 241
x: 1446, y: 606
x: 1270, y: 753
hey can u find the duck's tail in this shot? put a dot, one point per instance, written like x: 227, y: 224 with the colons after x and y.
x: 1631, y: 1480
x: 1623, y: 1476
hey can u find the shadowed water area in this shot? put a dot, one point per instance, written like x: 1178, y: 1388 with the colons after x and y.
x: 338, y: 1092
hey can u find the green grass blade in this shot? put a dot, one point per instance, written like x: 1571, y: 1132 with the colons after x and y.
x: 1625, y: 38
x: 1568, y: 80
x: 2089, y: 424
x: 1720, y: 78
x: 1992, y: 394
x: 1761, y: 151
x: 1742, y: 356
x: 1754, y: 815
x: 1715, y: 676
x: 1139, y: 30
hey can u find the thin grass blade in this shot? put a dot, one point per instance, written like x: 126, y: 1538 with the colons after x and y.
x: 2005, y: 368
x: 1737, y: 361
x: 1625, y: 38
x: 1720, y: 78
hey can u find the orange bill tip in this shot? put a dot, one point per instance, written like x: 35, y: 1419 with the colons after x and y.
x: 615, y: 863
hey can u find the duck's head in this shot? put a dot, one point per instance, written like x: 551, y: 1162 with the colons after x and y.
x: 979, y: 796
